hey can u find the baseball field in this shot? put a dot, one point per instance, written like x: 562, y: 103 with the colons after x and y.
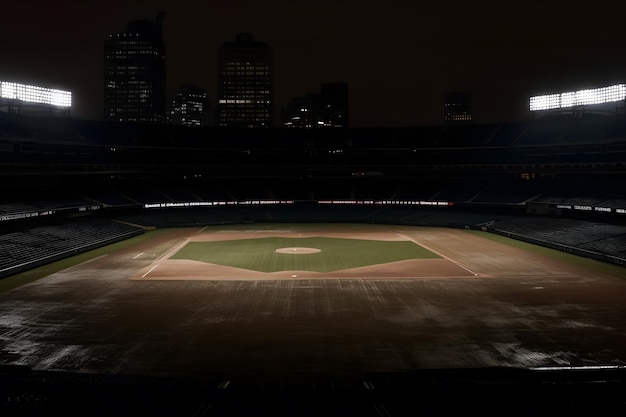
x: 295, y: 300
x: 303, y: 252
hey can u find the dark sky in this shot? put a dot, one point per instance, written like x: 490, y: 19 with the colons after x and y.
x: 398, y: 56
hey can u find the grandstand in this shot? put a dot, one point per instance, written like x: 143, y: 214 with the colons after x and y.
x: 31, y: 247
x: 555, y: 179
x: 587, y: 238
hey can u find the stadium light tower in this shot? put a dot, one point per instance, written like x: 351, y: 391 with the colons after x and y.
x: 15, y: 96
x: 590, y: 97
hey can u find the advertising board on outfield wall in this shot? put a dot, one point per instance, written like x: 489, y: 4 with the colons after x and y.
x: 285, y: 202
x: 596, y: 209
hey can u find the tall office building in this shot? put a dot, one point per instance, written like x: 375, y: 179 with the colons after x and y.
x: 303, y: 112
x: 335, y: 100
x: 458, y: 107
x: 190, y: 107
x: 245, y: 90
x: 134, y: 73
x: 328, y: 108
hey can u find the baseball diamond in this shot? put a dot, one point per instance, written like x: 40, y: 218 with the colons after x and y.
x: 267, y: 254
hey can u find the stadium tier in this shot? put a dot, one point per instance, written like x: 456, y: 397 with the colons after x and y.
x: 470, y: 175
x: 31, y: 247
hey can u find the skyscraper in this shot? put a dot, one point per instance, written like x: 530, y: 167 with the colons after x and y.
x: 328, y: 108
x: 335, y: 99
x: 245, y: 90
x: 303, y: 112
x: 458, y: 107
x: 134, y: 73
x: 190, y: 107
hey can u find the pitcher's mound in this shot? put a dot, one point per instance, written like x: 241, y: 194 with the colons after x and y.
x: 297, y: 251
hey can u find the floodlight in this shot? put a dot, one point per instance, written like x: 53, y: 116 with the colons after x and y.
x: 568, y: 99
x: 546, y: 102
x: 600, y: 95
x: 35, y: 94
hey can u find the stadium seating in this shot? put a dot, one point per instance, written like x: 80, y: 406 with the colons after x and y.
x: 101, y: 132
x: 599, y: 237
x: 31, y: 247
x: 507, y: 134
x: 479, y: 174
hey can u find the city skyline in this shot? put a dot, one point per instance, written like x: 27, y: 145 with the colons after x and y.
x: 398, y: 59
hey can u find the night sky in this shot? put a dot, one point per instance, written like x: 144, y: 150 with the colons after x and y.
x: 399, y: 57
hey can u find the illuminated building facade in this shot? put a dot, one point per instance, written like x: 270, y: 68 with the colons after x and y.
x: 458, y: 107
x: 245, y: 90
x: 19, y: 98
x: 134, y: 73
x: 190, y: 107
x: 328, y: 108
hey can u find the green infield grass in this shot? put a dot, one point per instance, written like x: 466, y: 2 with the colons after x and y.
x: 335, y: 253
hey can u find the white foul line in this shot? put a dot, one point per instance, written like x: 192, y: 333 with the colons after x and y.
x: 151, y: 269
x: 440, y: 254
x: 137, y: 256
x: 201, y: 230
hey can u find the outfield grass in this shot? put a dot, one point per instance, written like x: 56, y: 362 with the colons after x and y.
x: 336, y: 253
